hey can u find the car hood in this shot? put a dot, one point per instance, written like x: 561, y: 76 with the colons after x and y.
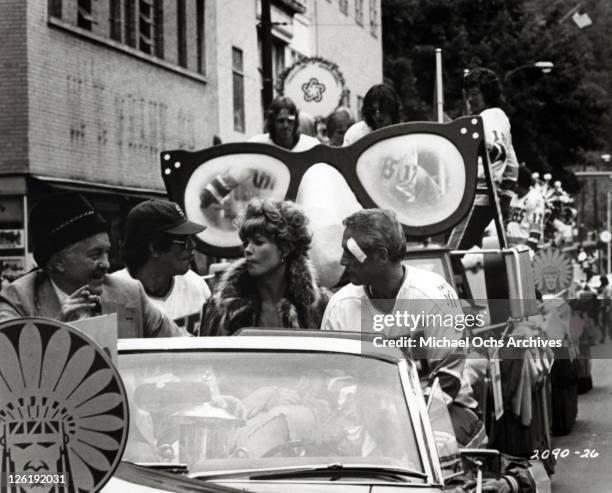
x: 136, y: 479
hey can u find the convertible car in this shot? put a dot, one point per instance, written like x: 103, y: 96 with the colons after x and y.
x: 265, y: 411
x: 275, y: 414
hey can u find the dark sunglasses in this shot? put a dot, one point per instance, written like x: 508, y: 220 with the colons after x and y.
x: 425, y: 172
x: 185, y: 242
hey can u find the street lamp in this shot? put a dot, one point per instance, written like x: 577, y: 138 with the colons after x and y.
x: 544, y: 66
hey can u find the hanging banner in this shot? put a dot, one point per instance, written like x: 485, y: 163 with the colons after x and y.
x: 315, y: 85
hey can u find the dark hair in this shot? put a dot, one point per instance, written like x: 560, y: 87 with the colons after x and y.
x: 387, y: 99
x: 139, y: 254
x: 378, y: 228
x: 282, y: 103
x: 487, y: 82
x: 280, y: 221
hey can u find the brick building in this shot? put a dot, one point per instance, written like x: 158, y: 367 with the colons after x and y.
x: 93, y: 90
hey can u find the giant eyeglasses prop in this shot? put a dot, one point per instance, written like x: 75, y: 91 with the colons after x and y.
x: 425, y: 172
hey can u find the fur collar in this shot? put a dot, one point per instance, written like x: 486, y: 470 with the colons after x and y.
x: 301, y: 283
x: 236, y: 302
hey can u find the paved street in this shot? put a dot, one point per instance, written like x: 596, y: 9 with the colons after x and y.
x: 593, y: 430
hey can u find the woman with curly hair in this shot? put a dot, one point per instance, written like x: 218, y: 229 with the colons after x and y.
x: 274, y: 285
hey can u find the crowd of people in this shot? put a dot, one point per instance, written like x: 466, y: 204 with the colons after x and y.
x: 274, y: 284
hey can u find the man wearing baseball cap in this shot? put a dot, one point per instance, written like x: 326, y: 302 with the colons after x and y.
x: 158, y: 251
x: 70, y: 245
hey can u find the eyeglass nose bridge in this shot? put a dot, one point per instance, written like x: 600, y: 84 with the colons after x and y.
x: 187, y: 244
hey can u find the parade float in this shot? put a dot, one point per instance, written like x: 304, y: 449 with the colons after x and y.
x: 427, y: 174
x: 187, y: 428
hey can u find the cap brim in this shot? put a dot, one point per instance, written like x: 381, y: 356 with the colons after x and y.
x: 186, y: 228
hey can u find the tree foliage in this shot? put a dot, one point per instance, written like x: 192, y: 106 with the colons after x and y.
x: 556, y: 118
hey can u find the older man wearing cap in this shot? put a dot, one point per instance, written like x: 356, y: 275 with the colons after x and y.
x: 158, y: 251
x: 70, y: 246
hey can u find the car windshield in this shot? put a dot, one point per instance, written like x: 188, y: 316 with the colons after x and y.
x: 226, y: 411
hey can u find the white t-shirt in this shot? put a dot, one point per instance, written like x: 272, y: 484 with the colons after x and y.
x: 343, y: 311
x: 524, y: 212
x: 304, y: 143
x: 497, y: 132
x: 421, y: 291
x: 183, y: 304
x: 355, y: 132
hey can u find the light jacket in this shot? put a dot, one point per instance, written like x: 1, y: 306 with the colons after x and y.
x: 32, y: 295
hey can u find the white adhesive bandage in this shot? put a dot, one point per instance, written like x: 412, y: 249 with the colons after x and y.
x: 356, y: 250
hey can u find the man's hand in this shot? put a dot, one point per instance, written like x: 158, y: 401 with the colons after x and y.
x: 83, y: 299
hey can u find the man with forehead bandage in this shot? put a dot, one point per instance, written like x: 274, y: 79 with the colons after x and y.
x: 380, y: 285
x: 357, y: 252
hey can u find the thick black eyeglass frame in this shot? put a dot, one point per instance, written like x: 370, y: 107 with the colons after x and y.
x: 465, y: 133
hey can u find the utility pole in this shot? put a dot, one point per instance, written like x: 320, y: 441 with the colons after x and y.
x: 608, y: 226
x: 266, y: 53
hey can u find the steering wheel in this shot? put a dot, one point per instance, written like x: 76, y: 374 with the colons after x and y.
x: 292, y: 448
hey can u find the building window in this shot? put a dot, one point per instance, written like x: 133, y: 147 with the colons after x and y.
x: 200, y: 36
x: 359, y: 12
x: 238, y: 88
x: 181, y: 33
x: 158, y: 16
x: 374, y: 17
x: 129, y: 12
x: 146, y: 33
x: 84, y: 14
x: 150, y: 27
x: 55, y: 8
x: 114, y: 20
x: 143, y: 25
x: 343, y: 6
x: 278, y: 57
x: 139, y: 24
